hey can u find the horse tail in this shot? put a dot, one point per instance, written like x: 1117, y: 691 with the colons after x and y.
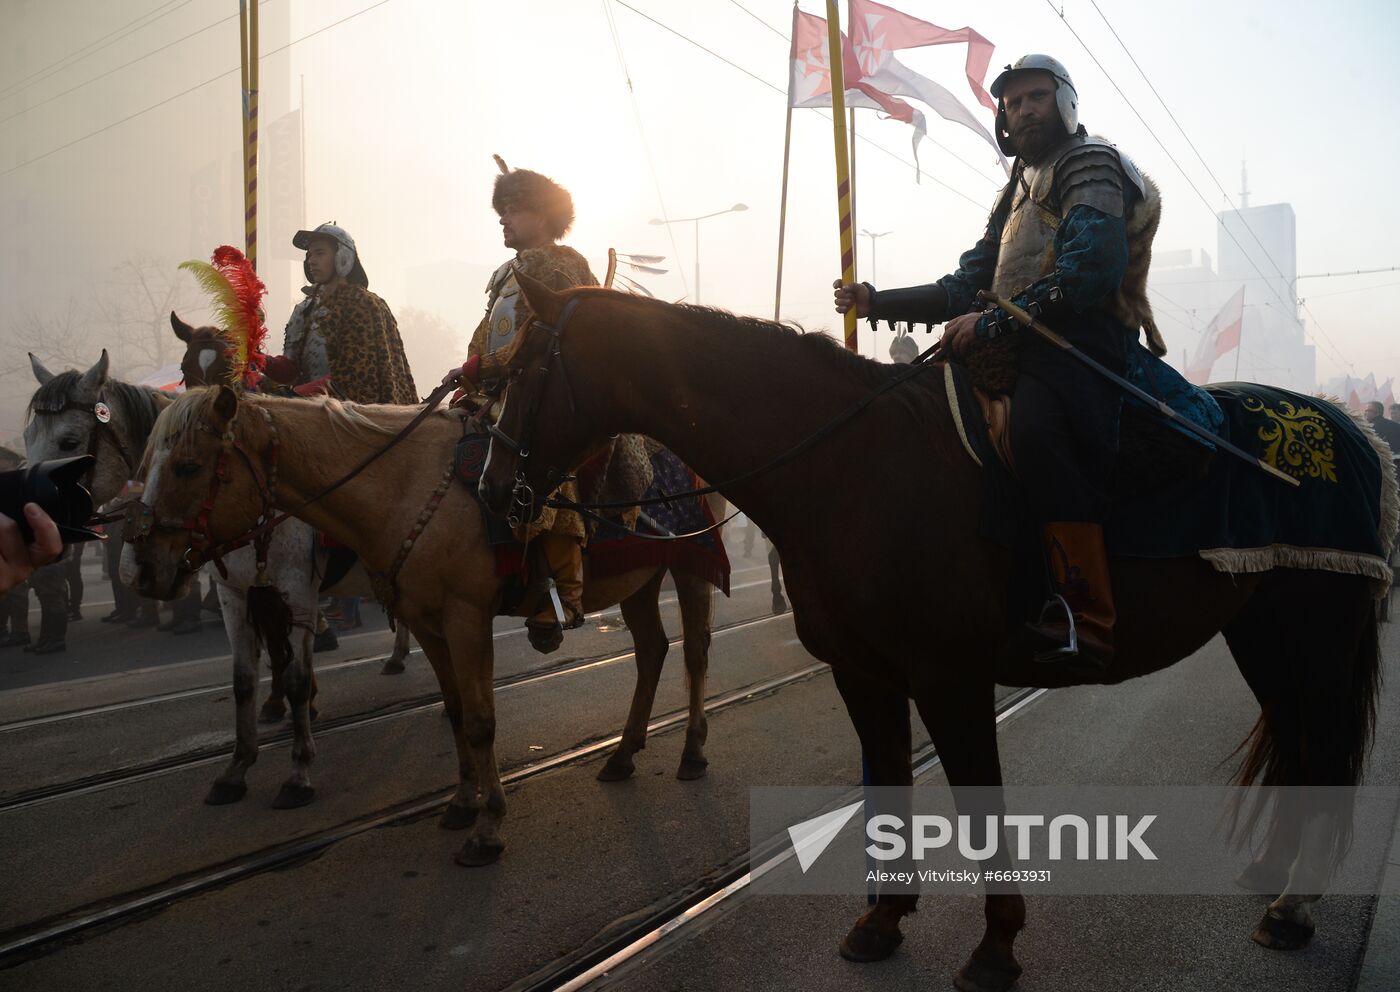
x: 271, y: 619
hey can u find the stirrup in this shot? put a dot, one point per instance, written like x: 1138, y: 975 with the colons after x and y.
x: 1057, y: 603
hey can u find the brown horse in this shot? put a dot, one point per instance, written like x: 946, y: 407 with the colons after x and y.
x: 206, y: 363
x: 448, y: 589
x: 921, y: 612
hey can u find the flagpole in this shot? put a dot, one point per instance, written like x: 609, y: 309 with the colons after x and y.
x: 243, y: 103
x: 1239, y: 347
x: 843, y: 177
x: 248, y: 21
x: 782, y: 202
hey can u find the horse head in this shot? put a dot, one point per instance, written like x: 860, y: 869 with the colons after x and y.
x: 64, y: 420
x: 205, y: 362
x: 204, y: 474
x: 543, y: 431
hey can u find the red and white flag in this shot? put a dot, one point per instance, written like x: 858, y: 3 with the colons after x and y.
x: 810, y: 80
x: 1222, y: 335
x: 877, y: 30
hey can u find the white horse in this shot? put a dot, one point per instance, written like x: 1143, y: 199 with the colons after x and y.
x: 74, y: 413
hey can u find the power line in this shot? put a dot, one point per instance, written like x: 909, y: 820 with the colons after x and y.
x: 82, y: 53
x: 646, y: 146
x: 185, y: 92
x: 778, y: 89
x: 1354, y: 272
x: 761, y: 20
x: 1225, y: 227
x: 124, y: 65
x: 1359, y: 289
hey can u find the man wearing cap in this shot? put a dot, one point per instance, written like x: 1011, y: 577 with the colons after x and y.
x: 1069, y: 239
x: 535, y: 213
x: 341, y: 329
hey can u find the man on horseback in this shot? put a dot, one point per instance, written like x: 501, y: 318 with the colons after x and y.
x: 341, y: 329
x: 535, y: 213
x: 1069, y: 239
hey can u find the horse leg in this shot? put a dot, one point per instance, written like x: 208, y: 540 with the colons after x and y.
x: 394, y: 664
x: 775, y: 580
x: 300, y: 682
x: 697, y: 602
x: 231, y: 785
x: 642, y: 615
x: 961, y: 719
x: 274, y: 709
x: 468, y: 634
x: 462, y: 807
x: 881, y: 719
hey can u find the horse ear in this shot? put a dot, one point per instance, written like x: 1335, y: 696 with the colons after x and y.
x: 225, y: 404
x: 40, y: 373
x: 182, y: 330
x: 93, y: 379
x: 543, y: 302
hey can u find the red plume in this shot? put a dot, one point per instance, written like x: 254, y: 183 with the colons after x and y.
x: 247, y: 330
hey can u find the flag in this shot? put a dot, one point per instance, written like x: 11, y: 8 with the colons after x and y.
x: 877, y: 30
x: 1222, y: 335
x: 810, y: 83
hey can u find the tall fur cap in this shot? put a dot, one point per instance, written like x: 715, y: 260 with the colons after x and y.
x: 533, y: 191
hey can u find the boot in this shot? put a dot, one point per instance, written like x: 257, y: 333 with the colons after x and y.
x: 53, y: 630
x: 563, y: 556
x: 1079, y: 569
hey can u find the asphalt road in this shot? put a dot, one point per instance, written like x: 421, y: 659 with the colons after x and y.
x: 389, y: 909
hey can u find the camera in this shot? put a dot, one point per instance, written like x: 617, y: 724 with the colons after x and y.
x: 57, y: 487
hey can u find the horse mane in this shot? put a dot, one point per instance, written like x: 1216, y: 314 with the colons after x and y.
x: 824, y: 349
x: 343, y: 415
x: 137, y: 406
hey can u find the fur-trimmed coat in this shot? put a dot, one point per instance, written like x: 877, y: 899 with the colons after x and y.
x: 363, y: 351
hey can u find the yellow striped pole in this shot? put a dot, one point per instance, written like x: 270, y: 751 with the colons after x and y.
x: 248, y: 49
x: 843, y: 173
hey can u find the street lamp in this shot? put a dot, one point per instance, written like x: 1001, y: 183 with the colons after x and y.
x: 872, y: 238
x: 737, y: 208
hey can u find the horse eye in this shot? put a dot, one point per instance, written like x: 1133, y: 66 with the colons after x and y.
x: 187, y: 470
x: 68, y: 444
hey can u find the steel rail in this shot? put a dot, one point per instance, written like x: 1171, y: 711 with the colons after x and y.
x: 22, y: 943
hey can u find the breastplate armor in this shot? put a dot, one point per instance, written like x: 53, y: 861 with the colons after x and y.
x: 505, y: 311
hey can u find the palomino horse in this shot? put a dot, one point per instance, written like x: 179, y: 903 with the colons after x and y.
x: 920, y: 612
x: 205, y: 363
x: 448, y: 589
x: 66, y: 422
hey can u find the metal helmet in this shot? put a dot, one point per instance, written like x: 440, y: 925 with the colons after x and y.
x: 1066, y: 96
x: 347, y: 258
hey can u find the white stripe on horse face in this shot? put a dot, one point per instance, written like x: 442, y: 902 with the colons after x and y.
x: 207, y: 357
x: 153, y: 477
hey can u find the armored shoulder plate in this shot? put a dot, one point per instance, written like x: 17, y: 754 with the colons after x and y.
x: 1089, y: 159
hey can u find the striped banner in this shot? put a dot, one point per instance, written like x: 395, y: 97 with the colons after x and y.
x: 843, y: 170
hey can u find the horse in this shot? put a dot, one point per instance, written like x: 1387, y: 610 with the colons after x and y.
x: 920, y: 612
x: 206, y: 363
x: 65, y: 421
x: 441, y: 566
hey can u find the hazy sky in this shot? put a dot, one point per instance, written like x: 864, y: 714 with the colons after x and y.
x: 406, y: 101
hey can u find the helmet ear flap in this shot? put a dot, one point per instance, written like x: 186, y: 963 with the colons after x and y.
x: 344, y: 259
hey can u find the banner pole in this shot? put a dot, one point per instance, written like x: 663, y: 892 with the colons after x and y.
x: 843, y: 176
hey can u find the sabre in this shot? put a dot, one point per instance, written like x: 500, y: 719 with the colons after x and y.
x: 1134, y: 391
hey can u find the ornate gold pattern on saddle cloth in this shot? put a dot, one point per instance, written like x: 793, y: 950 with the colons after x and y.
x: 1298, y: 440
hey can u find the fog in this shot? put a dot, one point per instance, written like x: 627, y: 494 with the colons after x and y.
x: 120, y: 143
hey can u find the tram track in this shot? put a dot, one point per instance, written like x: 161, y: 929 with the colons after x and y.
x: 624, y: 945
x: 27, y: 941
x: 214, y: 753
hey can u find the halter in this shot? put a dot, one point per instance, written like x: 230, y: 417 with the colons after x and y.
x: 522, y: 497
x: 141, y: 519
x: 102, y: 418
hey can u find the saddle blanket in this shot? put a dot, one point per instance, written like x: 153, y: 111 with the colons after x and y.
x: 1341, y: 517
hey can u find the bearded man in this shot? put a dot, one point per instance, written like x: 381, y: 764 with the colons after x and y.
x: 1069, y: 239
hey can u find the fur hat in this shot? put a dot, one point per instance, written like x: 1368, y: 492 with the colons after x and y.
x: 523, y: 188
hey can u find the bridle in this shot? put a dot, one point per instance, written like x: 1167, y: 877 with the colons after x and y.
x: 522, y: 497
x: 141, y: 519
x: 101, y: 415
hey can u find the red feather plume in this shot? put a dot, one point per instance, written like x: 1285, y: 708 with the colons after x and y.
x: 247, y: 331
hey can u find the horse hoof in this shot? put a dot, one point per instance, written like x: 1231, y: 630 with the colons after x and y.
x: 1279, y: 934
x: 272, y: 714
x: 456, y: 817
x: 779, y: 604
x: 616, y: 771
x: 545, y: 640
x: 691, y: 769
x: 981, y: 975
x: 1262, y: 879
x: 292, y: 795
x: 223, y: 793
x: 394, y: 666
x: 864, y: 944
x: 476, y: 854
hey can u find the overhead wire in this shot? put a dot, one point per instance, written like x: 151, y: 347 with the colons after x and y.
x: 185, y: 92
x: 646, y: 145
x: 1059, y: 12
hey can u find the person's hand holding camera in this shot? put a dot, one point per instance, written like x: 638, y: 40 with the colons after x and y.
x: 17, y: 559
